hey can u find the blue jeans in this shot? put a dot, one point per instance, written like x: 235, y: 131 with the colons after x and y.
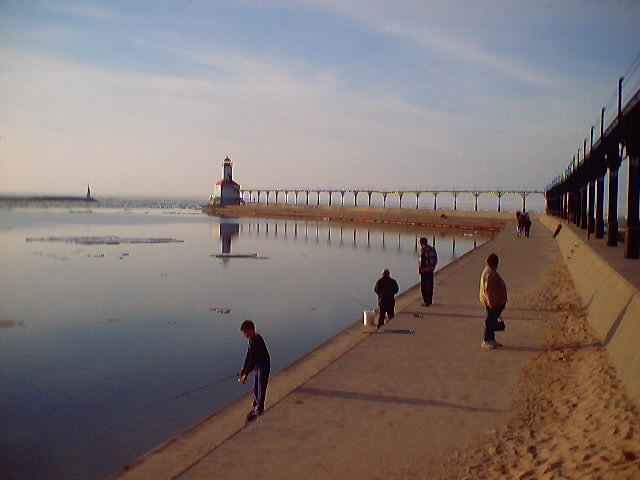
x: 260, y: 387
x: 490, y: 323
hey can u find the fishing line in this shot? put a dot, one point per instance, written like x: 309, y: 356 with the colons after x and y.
x: 188, y: 392
x: 369, y: 307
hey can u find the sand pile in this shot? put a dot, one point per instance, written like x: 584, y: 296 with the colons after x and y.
x: 573, y: 418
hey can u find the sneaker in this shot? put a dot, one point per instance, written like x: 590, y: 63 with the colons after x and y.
x: 252, y: 415
x: 498, y: 344
x: 489, y: 345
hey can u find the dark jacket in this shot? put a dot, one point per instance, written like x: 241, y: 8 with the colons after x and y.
x: 386, y: 288
x: 257, y: 355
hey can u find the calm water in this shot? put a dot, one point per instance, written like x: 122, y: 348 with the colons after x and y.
x: 96, y: 339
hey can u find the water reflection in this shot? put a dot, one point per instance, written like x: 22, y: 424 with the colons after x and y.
x: 402, y: 240
x: 227, y: 232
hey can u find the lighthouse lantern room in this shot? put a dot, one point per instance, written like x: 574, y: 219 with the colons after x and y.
x: 226, y: 191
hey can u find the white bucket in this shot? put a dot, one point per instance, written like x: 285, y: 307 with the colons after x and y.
x: 370, y: 318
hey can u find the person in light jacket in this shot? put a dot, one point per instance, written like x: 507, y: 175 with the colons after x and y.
x: 493, y: 295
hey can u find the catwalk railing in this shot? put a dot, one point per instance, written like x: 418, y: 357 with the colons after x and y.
x: 264, y: 194
x: 578, y: 193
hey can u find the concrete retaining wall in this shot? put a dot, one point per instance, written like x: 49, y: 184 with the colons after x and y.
x: 612, y: 303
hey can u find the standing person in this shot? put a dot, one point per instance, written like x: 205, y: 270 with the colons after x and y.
x: 426, y: 265
x: 386, y: 289
x: 257, y: 359
x: 493, y: 295
x: 527, y: 224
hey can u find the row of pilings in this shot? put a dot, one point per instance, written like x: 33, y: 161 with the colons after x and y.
x: 259, y: 194
x: 578, y: 195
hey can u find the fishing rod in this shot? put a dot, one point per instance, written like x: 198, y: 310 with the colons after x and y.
x: 369, y: 307
x: 189, y: 392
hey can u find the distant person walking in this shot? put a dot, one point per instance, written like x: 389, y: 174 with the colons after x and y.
x: 386, y: 289
x: 520, y: 220
x: 426, y: 265
x: 526, y: 223
x: 493, y: 295
x: 257, y: 359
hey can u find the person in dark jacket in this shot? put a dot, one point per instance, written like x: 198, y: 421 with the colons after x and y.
x: 426, y: 265
x: 257, y: 359
x: 526, y: 222
x: 386, y: 289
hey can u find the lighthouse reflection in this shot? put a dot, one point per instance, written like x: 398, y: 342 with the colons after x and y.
x: 402, y: 240
x: 228, y: 231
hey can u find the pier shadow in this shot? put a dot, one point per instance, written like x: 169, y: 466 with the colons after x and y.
x: 371, y: 397
x: 432, y: 313
x: 553, y: 348
x: 400, y: 331
x: 435, y: 313
x: 523, y: 349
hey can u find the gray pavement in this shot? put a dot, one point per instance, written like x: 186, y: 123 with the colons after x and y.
x: 398, y: 402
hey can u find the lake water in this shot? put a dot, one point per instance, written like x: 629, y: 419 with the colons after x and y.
x: 97, y: 339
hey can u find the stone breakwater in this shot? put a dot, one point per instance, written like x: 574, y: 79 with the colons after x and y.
x: 440, y: 219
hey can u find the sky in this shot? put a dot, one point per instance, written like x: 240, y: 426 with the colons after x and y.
x: 148, y: 97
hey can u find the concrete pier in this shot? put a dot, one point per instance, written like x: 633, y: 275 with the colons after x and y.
x: 366, y: 405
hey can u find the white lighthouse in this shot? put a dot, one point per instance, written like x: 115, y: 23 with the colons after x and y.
x: 226, y: 191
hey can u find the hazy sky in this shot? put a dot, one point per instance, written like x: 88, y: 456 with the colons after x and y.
x: 148, y: 97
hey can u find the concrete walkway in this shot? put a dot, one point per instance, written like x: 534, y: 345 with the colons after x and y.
x: 396, y: 403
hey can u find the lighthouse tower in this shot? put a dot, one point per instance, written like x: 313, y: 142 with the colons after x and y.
x: 226, y: 191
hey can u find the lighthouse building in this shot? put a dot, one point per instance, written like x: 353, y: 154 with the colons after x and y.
x: 226, y: 191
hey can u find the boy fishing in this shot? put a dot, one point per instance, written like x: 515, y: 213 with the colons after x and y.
x: 257, y: 359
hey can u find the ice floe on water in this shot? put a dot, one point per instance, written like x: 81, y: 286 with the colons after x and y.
x: 10, y: 323
x: 220, y: 310
x: 106, y: 240
x: 50, y: 255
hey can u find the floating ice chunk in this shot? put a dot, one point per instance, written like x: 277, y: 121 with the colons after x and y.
x: 9, y: 323
x: 106, y: 240
x: 220, y: 310
x: 235, y: 255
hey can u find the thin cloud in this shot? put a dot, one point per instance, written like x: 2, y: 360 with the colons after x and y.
x: 446, y: 43
x: 269, y: 116
x: 431, y: 35
x: 93, y: 12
